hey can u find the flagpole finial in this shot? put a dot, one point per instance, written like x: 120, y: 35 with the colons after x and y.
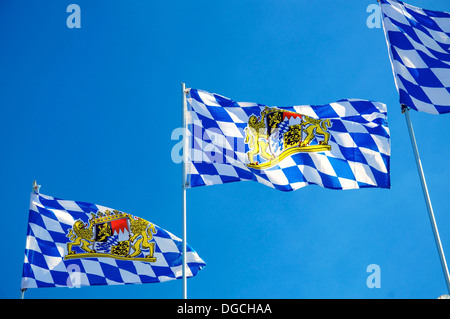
x: 36, y: 187
x: 185, y: 89
x: 404, y: 108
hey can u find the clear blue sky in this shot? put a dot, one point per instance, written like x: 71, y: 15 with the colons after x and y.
x: 89, y: 113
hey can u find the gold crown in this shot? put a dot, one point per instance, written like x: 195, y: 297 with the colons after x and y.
x: 107, y: 216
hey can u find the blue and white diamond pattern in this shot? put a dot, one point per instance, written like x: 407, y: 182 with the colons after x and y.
x: 359, y: 155
x: 419, y: 50
x: 46, y: 246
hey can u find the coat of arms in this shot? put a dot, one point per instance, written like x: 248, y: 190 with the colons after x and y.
x: 112, y: 234
x: 277, y: 134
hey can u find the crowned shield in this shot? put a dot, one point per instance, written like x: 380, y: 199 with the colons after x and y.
x: 112, y: 234
x: 277, y: 134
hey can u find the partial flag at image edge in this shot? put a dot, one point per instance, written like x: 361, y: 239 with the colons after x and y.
x: 419, y: 50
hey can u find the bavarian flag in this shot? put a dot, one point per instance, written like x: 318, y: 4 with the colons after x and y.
x: 419, y: 49
x: 341, y: 145
x: 74, y: 244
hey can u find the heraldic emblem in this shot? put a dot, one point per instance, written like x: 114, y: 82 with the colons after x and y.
x: 112, y: 234
x: 277, y: 134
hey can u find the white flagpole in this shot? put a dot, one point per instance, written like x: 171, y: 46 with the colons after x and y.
x: 36, y: 190
x: 183, y: 185
x: 427, y: 198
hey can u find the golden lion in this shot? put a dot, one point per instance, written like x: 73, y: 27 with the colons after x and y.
x: 256, y: 138
x: 80, y: 235
x: 314, y: 127
x: 144, y: 229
